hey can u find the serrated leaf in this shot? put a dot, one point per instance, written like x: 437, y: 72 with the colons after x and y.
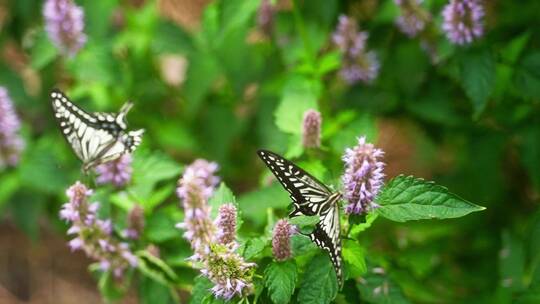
x: 358, y: 228
x: 319, y: 285
x: 407, y: 198
x: 280, y: 279
x: 252, y: 247
x: 301, y: 245
x: 477, y: 71
x: 43, y: 52
x: 223, y: 195
x: 201, y: 290
x: 354, y: 254
x: 299, y: 95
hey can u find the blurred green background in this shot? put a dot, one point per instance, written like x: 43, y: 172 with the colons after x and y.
x: 208, y: 82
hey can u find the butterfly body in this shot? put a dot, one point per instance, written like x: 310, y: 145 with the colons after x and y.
x: 310, y: 197
x: 95, y: 137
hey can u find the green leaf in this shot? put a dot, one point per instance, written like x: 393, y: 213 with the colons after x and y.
x: 151, y: 291
x: 299, y: 95
x: 43, y: 52
x: 160, y: 226
x: 223, y: 195
x: 319, y: 284
x: 353, y: 254
x: 280, y: 279
x: 530, y: 153
x: 201, y: 290
x: 301, y: 245
x: 304, y: 220
x: 527, y: 76
x: 346, y: 136
x: 252, y: 247
x: 407, y: 198
x: 161, y: 167
x: 478, y: 78
x: 358, y: 228
x: 254, y: 204
x: 153, y: 267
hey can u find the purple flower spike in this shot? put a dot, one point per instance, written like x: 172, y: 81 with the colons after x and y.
x: 281, y: 240
x: 116, y: 172
x: 311, y: 129
x: 413, y: 17
x: 463, y: 21
x: 64, y: 22
x: 194, y: 189
x: 363, y: 176
x: 93, y: 235
x: 226, y: 224
x: 359, y: 64
x: 11, y: 144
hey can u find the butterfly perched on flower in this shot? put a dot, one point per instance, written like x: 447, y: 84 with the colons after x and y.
x: 311, y: 197
x: 96, y: 138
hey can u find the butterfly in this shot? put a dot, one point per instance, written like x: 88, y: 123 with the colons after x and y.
x: 311, y: 197
x: 98, y: 137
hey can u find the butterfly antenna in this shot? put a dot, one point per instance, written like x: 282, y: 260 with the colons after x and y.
x: 125, y: 108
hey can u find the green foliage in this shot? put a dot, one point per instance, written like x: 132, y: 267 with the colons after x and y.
x: 280, y: 279
x: 319, y: 284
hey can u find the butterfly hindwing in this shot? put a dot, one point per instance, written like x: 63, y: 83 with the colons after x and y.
x: 327, y: 236
x: 95, y: 137
x: 310, y: 197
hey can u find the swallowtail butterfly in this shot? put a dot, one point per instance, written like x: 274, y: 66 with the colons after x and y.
x: 96, y: 138
x: 310, y: 197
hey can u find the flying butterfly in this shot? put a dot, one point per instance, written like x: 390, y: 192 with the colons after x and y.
x: 98, y: 137
x: 311, y: 197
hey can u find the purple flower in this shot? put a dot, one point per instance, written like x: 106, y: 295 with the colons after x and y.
x: 413, y: 17
x: 265, y: 16
x: 135, y: 223
x: 194, y: 189
x: 64, y: 22
x: 117, y: 171
x: 226, y: 224
x: 228, y: 271
x: 463, y: 21
x: 311, y: 129
x: 359, y: 64
x: 363, y: 176
x: 11, y: 144
x: 281, y: 240
x: 92, y: 234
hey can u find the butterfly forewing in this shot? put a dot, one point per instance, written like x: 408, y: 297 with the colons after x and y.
x: 310, y: 197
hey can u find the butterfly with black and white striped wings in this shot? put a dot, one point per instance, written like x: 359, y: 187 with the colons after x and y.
x: 96, y: 138
x: 310, y: 197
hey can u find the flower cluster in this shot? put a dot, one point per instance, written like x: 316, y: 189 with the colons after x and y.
x: 463, y: 21
x: 117, y: 171
x: 214, y: 243
x: 65, y: 23
x: 194, y: 189
x: 11, y: 144
x: 363, y: 176
x: 281, y: 240
x: 311, y: 129
x: 413, y: 17
x: 226, y: 224
x: 228, y: 271
x: 359, y: 64
x: 92, y: 234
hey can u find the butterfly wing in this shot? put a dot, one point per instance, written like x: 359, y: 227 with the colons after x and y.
x: 311, y: 197
x: 326, y: 235
x: 308, y: 193
x: 87, y: 135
